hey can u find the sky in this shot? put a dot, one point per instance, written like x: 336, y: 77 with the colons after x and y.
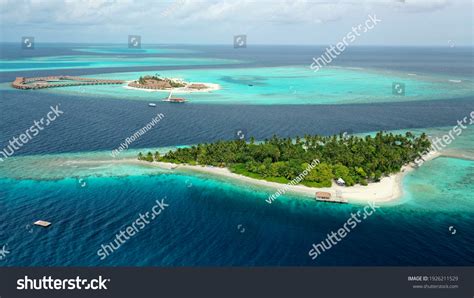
x: 310, y: 22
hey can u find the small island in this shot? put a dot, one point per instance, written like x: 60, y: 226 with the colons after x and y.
x: 345, y: 160
x: 157, y: 83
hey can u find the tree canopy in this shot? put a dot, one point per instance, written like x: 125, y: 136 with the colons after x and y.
x: 357, y: 160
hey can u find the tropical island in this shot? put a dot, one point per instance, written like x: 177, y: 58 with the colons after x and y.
x: 157, y: 83
x: 353, y: 160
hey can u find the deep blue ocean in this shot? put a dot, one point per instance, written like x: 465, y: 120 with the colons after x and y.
x: 211, y: 222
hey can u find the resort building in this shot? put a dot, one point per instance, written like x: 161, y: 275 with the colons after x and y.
x: 322, y: 195
x: 327, y: 197
x: 197, y: 86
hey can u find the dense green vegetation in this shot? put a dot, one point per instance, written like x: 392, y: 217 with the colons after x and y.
x: 354, y: 159
x: 174, y: 84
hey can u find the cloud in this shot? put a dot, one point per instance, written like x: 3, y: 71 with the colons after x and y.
x: 213, y: 21
x: 130, y: 12
x: 421, y: 5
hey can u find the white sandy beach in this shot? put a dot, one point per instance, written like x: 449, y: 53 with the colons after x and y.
x: 387, y: 190
x: 182, y: 90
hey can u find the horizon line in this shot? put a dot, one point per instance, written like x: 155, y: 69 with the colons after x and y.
x: 248, y: 45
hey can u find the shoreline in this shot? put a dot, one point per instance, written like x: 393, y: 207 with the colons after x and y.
x: 181, y: 90
x: 388, y: 189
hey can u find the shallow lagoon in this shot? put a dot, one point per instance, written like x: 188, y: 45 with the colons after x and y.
x: 94, y: 61
x: 286, y: 85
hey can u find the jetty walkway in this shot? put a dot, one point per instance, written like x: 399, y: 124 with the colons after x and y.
x: 58, y: 81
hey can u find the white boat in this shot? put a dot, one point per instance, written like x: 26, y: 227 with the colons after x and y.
x: 152, y: 104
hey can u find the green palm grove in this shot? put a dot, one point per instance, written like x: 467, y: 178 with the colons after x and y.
x: 357, y: 160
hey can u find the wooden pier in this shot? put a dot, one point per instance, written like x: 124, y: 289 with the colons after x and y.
x: 58, y: 81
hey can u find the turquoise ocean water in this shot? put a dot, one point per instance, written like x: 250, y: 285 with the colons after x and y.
x: 67, y: 176
x: 89, y: 198
x: 283, y: 85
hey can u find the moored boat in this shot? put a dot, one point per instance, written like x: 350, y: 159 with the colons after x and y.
x: 174, y: 99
